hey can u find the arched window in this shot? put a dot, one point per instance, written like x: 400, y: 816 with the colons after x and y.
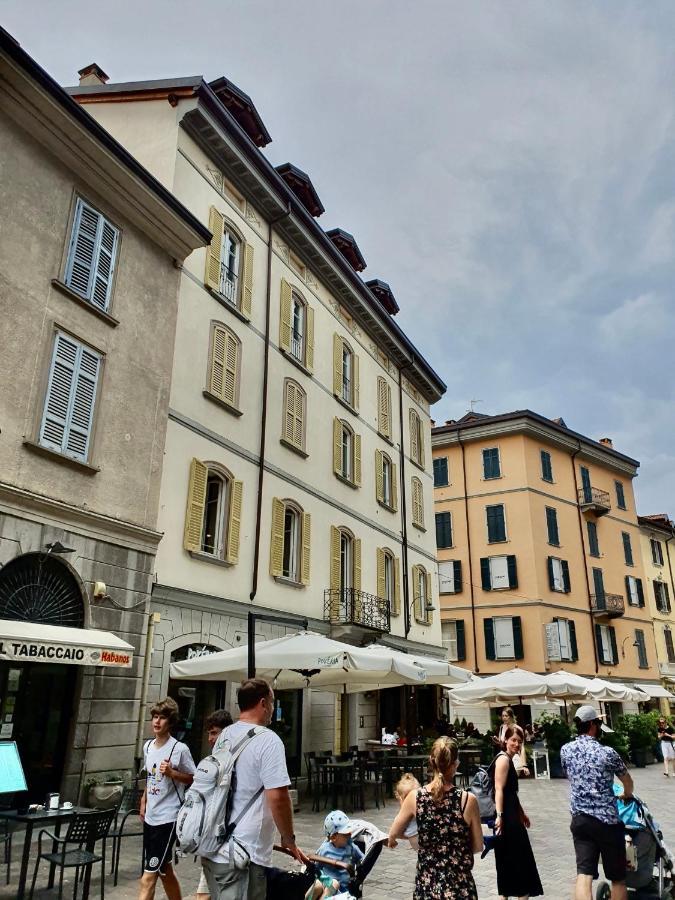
x: 416, y: 439
x: 345, y: 372
x: 346, y: 452
x: 385, y: 480
x: 388, y: 585
x: 229, y: 264
x: 298, y: 320
x: 294, y: 414
x: 422, y: 594
x: 216, y: 507
x: 417, y: 502
x: 224, y: 366
x: 213, y: 517
x: 290, y: 542
x: 296, y: 326
x: 40, y: 587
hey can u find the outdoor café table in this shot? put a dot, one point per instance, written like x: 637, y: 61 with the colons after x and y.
x: 337, y: 769
x: 43, y: 818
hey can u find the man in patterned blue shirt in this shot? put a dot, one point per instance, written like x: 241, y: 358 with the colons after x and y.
x: 596, y: 828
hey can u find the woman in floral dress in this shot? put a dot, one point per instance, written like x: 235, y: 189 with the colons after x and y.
x: 449, y: 830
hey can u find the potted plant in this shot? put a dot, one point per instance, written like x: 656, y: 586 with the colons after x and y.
x: 556, y: 733
x: 640, y: 729
x: 104, y: 789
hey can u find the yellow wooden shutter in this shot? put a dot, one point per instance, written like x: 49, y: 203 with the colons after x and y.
x: 396, y: 608
x: 383, y: 407
x: 337, y: 446
x: 277, y: 538
x: 420, y: 502
x: 289, y: 411
x: 355, y: 381
x: 414, y: 574
x: 299, y: 418
x: 309, y: 338
x: 306, y: 544
x: 234, y: 522
x: 381, y: 581
x: 213, y: 251
x: 394, y: 487
x: 285, y: 316
x: 420, y: 449
x: 379, y: 476
x: 357, y: 459
x: 427, y: 613
x: 337, y: 365
x: 230, y: 378
x: 413, y: 435
x: 388, y: 403
x: 196, y: 499
x: 218, y: 348
x: 357, y: 564
x: 335, y: 562
x: 247, y: 282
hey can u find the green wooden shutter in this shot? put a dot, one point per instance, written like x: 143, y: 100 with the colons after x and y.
x: 517, y: 637
x: 457, y: 575
x: 486, y: 580
x: 549, y: 567
x: 489, y: 631
x: 641, y: 649
x: 461, y: 641
x: 573, y: 640
x: 566, y: 575
x: 443, y: 530
x: 552, y: 526
x: 599, y: 586
x: 612, y: 640
x: 441, y: 471
x: 627, y: 548
x: 598, y: 644
x: 496, y: 523
x: 586, y: 484
x: 593, y: 546
x: 546, y: 468
x: 513, y: 571
x: 640, y: 592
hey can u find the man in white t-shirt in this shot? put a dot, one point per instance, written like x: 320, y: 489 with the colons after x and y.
x: 170, y: 770
x: 260, y: 770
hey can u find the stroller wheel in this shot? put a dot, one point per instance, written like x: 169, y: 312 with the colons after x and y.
x: 603, y: 891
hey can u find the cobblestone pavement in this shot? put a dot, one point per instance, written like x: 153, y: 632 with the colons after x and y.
x: 394, y: 875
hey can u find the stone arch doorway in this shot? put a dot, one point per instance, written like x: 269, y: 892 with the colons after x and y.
x: 37, y: 698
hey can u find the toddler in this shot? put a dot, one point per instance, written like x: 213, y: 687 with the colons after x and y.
x: 338, y: 846
x: 408, y: 783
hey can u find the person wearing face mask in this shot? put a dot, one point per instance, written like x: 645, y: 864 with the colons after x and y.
x: 517, y: 874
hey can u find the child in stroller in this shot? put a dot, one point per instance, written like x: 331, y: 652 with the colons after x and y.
x: 337, y: 857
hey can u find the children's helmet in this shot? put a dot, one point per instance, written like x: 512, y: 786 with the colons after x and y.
x: 336, y: 822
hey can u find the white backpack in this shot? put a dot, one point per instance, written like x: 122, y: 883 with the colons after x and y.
x: 203, y: 821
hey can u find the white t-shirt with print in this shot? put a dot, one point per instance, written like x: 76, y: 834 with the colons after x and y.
x: 163, y: 795
x: 261, y: 764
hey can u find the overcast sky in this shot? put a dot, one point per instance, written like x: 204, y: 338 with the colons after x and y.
x: 508, y: 168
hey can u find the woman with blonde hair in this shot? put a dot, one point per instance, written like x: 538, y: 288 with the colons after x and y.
x: 449, y: 830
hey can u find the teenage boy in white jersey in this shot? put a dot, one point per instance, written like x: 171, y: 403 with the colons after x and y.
x: 170, y: 771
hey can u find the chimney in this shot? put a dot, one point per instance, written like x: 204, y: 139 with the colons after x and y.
x: 92, y: 74
x: 433, y: 422
x: 607, y: 442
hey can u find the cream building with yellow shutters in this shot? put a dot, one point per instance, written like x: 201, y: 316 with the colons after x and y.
x: 297, y: 472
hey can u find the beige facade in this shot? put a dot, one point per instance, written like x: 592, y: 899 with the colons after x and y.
x: 297, y: 473
x: 89, y: 261
x: 545, y: 531
x: 656, y: 535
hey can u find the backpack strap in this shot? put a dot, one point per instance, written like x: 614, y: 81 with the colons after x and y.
x: 464, y: 801
x: 237, y: 750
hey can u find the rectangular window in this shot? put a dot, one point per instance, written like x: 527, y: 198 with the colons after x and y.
x: 91, y: 256
x: 641, y: 649
x: 670, y: 649
x: 546, y: 466
x: 491, y: 464
x: 620, y: 497
x: 627, y: 548
x: 71, y: 396
x: 565, y: 640
x: 441, y: 471
x: 499, y: 572
x: 599, y: 585
x: 504, y: 638
x: 662, y: 596
x: 586, y: 484
x: 657, y: 552
x: 552, y: 526
x: 496, y: 523
x: 558, y: 575
x: 593, y: 545
x: 443, y: 530
x: 450, y: 576
x: 449, y: 639
x: 604, y: 635
x: 632, y: 590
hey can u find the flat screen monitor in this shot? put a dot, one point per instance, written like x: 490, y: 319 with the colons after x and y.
x: 12, y: 778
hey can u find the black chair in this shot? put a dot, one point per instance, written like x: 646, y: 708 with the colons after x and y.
x: 130, y: 805
x: 310, y: 756
x: 77, y: 850
x: 6, y: 844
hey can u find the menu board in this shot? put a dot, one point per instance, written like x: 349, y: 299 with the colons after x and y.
x: 12, y: 778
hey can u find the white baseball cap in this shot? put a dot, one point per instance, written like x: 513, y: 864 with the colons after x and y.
x: 590, y: 714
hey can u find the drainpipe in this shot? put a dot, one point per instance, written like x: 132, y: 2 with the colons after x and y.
x: 404, y: 504
x: 583, y: 551
x: 468, y: 545
x: 263, y: 416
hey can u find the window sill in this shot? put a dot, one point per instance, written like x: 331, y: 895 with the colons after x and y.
x: 298, y: 363
x: 505, y: 541
x: 222, y: 403
x: 294, y: 448
x: 419, y: 527
x: 227, y: 304
x: 446, y: 547
x: 100, y: 313
x: 547, y: 480
x: 288, y: 582
x: 446, y: 484
x: 493, y: 478
x: 425, y: 622
x: 85, y: 468
x: 346, y: 404
x: 419, y: 465
x: 596, y: 555
x: 347, y: 481
x: 450, y: 593
x: 387, y: 506
x: 385, y: 437
x: 209, y: 558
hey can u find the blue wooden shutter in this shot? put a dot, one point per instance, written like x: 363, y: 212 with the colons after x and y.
x: 91, y: 255
x: 593, y: 546
x: 485, y: 579
x: 627, y: 549
x: 440, y: 471
x: 567, y: 585
x: 443, y: 530
x: 612, y: 640
x: 549, y: 567
x: 598, y: 644
x: 491, y: 463
x: 461, y: 641
x: 457, y: 575
x: 573, y: 640
x: 552, y: 526
x: 512, y: 570
x: 586, y: 484
x: 488, y: 628
x: 496, y: 524
x: 517, y: 637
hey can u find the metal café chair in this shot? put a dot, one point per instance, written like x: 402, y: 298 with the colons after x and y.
x: 6, y: 844
x: 130, y: 805
x: 77, y: 850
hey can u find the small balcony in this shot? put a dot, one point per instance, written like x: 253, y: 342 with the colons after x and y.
x: 228, y: 284
x: 348, y: 608
x: 610, y: 605
x: 594, y: 501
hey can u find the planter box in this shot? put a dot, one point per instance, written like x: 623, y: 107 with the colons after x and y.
x: 106, y: 795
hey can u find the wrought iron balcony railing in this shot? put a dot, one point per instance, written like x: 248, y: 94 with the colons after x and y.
x: 610, y: 605
x: 347, y: 606
x: 594, y: 500
x: 228, y: 284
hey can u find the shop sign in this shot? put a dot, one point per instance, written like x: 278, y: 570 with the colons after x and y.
x: 68, y: 654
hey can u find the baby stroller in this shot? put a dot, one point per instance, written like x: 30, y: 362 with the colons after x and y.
x: 284, y: 885
x: 652, y: 875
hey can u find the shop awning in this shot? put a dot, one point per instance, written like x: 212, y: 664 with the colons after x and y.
x: 33, y: 642
x: 655, y: 691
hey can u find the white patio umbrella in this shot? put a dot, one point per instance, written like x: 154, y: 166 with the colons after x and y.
x: 564, y: 685
x: 514, y: 684
x: 612, y: 691
x: 305, y: 659
x: 438, y: 671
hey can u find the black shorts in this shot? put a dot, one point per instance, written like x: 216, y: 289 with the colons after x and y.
x: 593, y: 840
x: 158, y: 841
